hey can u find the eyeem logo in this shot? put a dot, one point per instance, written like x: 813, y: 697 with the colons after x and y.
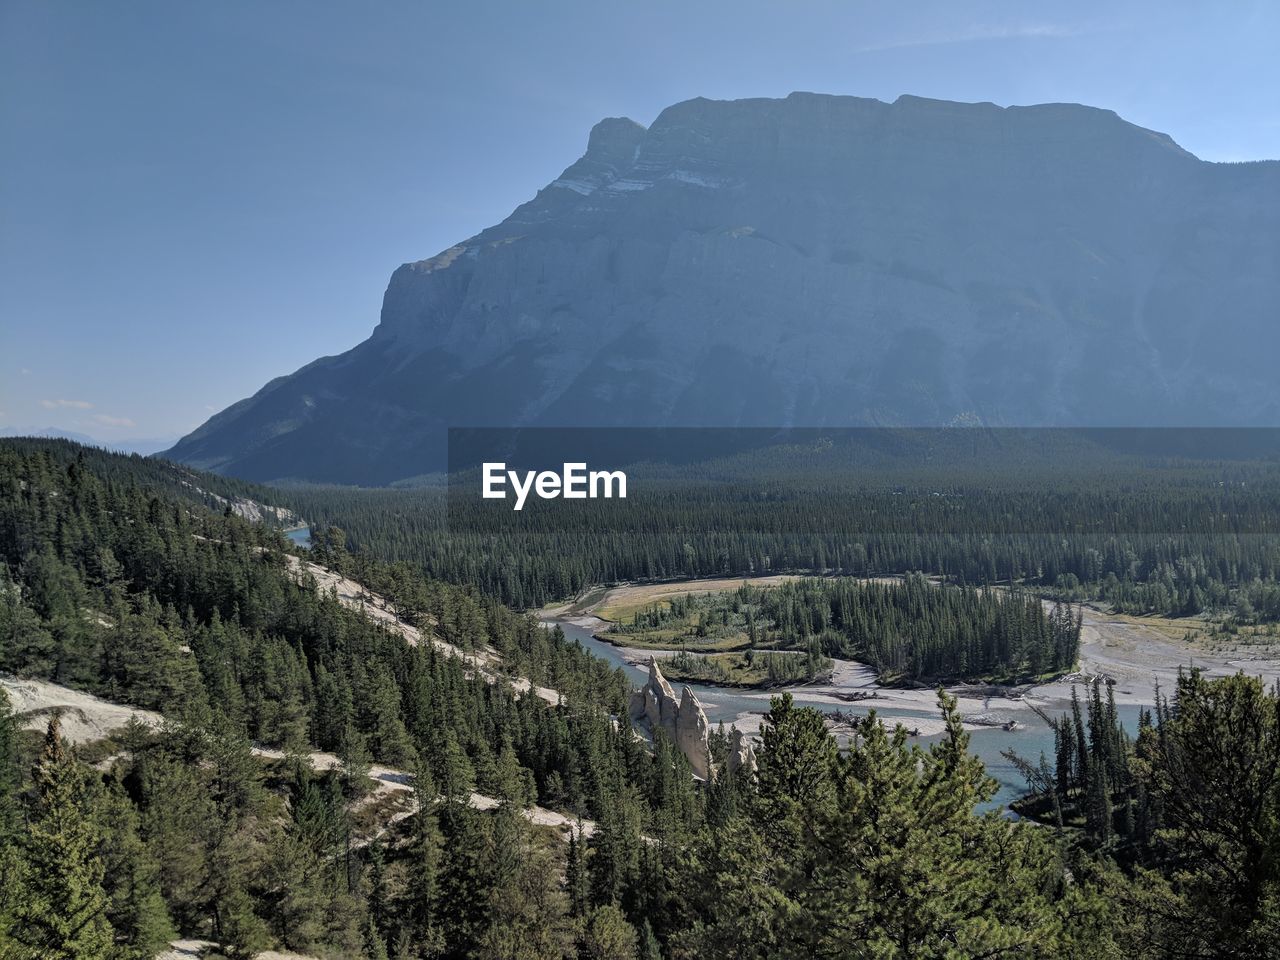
x: 574, y: 482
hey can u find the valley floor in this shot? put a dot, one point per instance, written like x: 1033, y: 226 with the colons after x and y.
x: 1140, y: 655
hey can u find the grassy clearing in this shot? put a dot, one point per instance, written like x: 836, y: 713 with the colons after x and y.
x: 620, y: 604
x: 1171, y: 629
x: 746, y: 669
x: 579, y: 607
x: 1209, y: 634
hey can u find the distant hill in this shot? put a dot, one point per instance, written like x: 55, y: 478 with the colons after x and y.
x: 50, y: 433
x: 161, y: 478
x: 812, y: 261
x: 142, y: 445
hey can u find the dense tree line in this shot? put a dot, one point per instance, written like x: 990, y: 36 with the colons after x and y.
x: 173, y: 481
x: 750, y: 668
x: 1146, y: 535
x: 871, y: 851
x: 910, y: 630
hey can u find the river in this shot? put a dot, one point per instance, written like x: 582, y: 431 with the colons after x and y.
x: 728, y: 706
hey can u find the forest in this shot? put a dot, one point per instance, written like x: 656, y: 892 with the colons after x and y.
x: 1160, y: 532
x: 911, y: 630
x: 142, y: 595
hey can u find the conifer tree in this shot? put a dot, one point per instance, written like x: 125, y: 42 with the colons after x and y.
x: 11, y: 866
x: 424, y: 908
x: 136, y: 909
x: 241, y: 931
x: 648, y: 947
x: 608, y: 936
x: 576, y: 882
x: 64, y: 913
x: 375, y: 947
x: 9, y: 774
x: 797, y: 758
x: 1216, y: 777
x: 1098, y: 810
x: 1082, y: 745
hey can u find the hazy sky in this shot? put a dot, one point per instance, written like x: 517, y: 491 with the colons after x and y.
x: 197, y: 197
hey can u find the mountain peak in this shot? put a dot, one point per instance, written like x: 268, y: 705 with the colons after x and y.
x: 811, y: 261
x: 614, y: 140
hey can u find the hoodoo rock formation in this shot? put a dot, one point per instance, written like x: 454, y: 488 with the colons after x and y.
x: 742, y: 754
x: 654, y: 707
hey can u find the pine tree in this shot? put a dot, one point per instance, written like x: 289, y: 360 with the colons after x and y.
x: 423, y: 918
x: 1064, y: 756
x: 608, y: 936
x: 1082, y: 745
x: 453, y: 769
x: 375, y: 947
x: 296, y: 881
x: 9, y: 775
x: 575, y: 875
x: 1098, y: 811
x: 511, y: 781
x: 241, y: 931
x: 1215, y: 777
x: 648, y: 947
x: 377, y: 900
x: 466, y: 878
x: 136, y: 910
x: 382, y: 716
x: 64, y: 916
x: 526, y: 910
x: 180, y: 823
x: 884, y: 859
x: 355, y: 761
x: 614, y: 861
x: 798, y: 756
x: 11, y: 866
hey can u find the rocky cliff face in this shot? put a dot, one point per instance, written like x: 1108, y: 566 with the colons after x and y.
x: 817, y: 261
x: 654, y: 707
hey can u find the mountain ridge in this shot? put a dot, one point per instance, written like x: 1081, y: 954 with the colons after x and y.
x: 810, y: 261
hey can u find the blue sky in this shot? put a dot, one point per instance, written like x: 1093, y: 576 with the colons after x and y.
x: 195, y: 198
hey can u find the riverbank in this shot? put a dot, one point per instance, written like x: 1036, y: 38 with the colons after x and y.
x: 729, y: 661
x: 854, y: 691
x: 1139, y: 656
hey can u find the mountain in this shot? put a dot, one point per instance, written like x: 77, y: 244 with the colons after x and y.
x: 142, y: 446
x: 815, y: 260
